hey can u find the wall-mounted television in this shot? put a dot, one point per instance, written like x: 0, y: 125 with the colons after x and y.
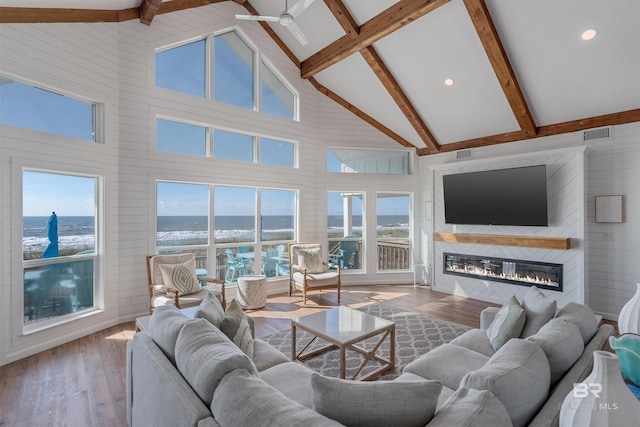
x: 515, y: 196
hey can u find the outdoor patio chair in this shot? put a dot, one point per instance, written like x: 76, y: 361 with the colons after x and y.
x: 235, y: 267
x: 308, y: 270
x: 348, y: 255
x: 172, y: 280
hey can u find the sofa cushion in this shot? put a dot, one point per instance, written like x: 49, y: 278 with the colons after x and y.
x: 204, y: 355
x: 582, y: 316
x: 469, y: 407
x: 518, y: 375
x: 291, y: 379
x: 538, y: 310
x: 211, y: 309
x: 476, y: 340
x: 562, y: 344
x: 265, y: 355
x: 447, y: 363
x: 445, y: 393
x: 377, y: 403
x: 507, y: 324
x: 236, y: 326
x: 245, y: 400
x: 164, y: 326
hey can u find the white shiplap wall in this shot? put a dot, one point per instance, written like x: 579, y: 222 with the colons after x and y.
x: 565, y: 185
x: 113, y: 64
x: 611, y: 166
x: 82, y: 61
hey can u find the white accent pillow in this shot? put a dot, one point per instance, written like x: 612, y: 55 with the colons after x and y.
x: 507, y: 324
x: 181, y: 277
x: 237, y: 328
x: 311, y: 259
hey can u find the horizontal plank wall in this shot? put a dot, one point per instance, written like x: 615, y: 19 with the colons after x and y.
x: 82, y: 61
x: 565, y: 196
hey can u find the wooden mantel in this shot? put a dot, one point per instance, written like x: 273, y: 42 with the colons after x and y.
x: 501, y: 240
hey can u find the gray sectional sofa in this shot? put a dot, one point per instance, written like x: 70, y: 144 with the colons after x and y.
x: 202, y: 372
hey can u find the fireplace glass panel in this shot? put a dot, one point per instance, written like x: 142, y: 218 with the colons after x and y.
x: 518, y: 272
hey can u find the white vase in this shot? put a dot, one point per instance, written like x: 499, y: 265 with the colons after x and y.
x: 602, y: 399
x: 629, y: 318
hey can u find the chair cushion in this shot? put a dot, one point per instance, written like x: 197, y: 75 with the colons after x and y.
x: 311, y: 259
x: 204, y: 355
x: 376, y: 403
x: 469, y: 407
x: 164, y: 326
x: 181, y: 276
x: 210, y: 309
x: 582, y: 316
x: 317, y: 280
x: 518, y: 375
x: 245, y: 400
x: 538, y: 309
x: 507, y: 324
x: 562, y: 344
x: 235, y: 325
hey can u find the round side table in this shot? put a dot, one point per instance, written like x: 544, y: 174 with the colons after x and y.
x: 252, y: 292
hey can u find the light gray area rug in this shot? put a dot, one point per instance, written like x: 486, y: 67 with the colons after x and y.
x: 416, y: 334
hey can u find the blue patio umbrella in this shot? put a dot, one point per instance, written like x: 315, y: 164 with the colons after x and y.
x: 52, y: 232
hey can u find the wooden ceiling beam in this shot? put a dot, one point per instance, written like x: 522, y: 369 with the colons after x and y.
x: 149, y: 9
x: 381, y: 25
x: 620, y: 118
x: 355, y: 110
x: 349, y: 25
x: 400, y: 98
x: 490, y: 39
x: 30, y: 15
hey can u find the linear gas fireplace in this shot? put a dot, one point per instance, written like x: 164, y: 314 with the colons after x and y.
x: 518, y: 272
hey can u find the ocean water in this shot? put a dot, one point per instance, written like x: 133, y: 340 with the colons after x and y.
x: 77, y: 232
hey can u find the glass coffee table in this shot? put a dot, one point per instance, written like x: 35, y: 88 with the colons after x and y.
x: 344, y: 328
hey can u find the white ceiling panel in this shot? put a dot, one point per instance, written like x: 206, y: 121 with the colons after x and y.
x: 362, y: 11
x: 440, y: 45
x: 563, y: 77
x: 354, y: 81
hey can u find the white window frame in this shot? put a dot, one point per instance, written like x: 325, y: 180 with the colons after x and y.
x: 17, y: 302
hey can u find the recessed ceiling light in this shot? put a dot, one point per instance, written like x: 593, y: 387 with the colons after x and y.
x: 589, y: 34
x: 449, y: 82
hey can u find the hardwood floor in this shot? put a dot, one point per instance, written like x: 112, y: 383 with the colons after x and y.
x: 82, y: 383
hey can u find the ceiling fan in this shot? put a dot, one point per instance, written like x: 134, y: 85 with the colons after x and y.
x: 285, y: 19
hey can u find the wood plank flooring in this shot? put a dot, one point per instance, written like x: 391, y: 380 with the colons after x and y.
x: 82, y: 383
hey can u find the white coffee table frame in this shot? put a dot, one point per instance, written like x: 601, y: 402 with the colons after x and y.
x: 343, y: 328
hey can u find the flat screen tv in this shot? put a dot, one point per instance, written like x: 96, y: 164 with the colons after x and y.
x: 516, y: 196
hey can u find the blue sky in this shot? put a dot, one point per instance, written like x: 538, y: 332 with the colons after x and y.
x: 66, y: 195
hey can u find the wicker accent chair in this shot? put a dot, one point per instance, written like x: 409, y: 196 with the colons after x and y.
x: 162, y: 293
x: 308, y: 270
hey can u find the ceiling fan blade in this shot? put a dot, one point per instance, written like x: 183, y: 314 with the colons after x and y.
x: 258, y: 18
x: 299, y: 7
x: 297, y: 33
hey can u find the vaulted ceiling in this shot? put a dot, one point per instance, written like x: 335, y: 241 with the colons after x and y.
x: 519, y: 68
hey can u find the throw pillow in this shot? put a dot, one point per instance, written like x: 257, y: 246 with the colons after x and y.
x: 210, y: 309
x: 311, y: 259
x: 538, y: 309
x: 507, y: 324
x: 235, y: 325
x: 181, y: 277
x: 377, y: 403
x: 164, y: 326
